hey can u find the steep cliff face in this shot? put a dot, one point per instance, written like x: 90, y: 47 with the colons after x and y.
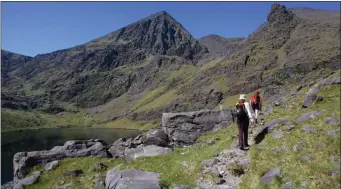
x: 154, y: 65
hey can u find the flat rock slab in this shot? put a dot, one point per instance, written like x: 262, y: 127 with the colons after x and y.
x: 305, y: 158
x: 270, y: 175
x: 331, y: 121
x: 276, y: 149
x: 145, y: 151
x: 132, y: 178
x: 277, y: 134
x: 308, y: 129
x: 307, y: 116
x: 52, y: 165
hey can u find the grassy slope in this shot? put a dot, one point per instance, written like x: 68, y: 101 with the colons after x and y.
x: 169, y: 166
x: 293, y: 169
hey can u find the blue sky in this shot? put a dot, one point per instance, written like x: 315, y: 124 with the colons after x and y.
x: 32, y: 28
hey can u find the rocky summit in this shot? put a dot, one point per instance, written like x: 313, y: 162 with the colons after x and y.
x: 153, y: 75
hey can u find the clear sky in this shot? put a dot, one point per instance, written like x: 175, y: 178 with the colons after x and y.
x: 32, y: 28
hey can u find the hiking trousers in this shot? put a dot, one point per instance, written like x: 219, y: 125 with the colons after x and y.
x: 243, y: 127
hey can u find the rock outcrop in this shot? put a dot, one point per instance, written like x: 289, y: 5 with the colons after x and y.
x: 24, y: 161
x: 185, y: 127
x: 145, y: 151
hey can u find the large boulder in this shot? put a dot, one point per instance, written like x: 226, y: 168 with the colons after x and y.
x: 156, y: 137
x: 132, y: 178
x: 269, y: 128
x: 311, y: 96
x: 185, y: 127
x: 307, y: 116
x: 24, y: 161
x: 145, y: 151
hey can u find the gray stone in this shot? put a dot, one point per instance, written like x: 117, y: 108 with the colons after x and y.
x: 219, y: 180
x: 52, y: 165
x: 277, y: 103
x: 307, y: 116
x: 276, y: 149
x: 145, y: 151
x: 277, y: 134
x: 308, y: 129
x: 131, y: 178
x: 208, y: 163
x: 299, y: 87
x: 287, y: 185
x: 331, y: 121
x: 305, y: 158
x: 184, y: 128
x: 334, y: 173
x: 288, y: 127
x: 337, y: 165
x: 99, y: 182
x: 270, y: 175
x: 184, y: 163
x: 29, y: 179
x: 99, y: 167
x: 332, y: 158
x: 156, y: 137
x: 24, y: 161
x: 332, y: 133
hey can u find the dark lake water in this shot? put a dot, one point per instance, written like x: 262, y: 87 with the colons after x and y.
x: 45, y: 139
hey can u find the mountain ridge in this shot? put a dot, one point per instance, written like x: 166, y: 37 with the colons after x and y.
x: 130, y: 74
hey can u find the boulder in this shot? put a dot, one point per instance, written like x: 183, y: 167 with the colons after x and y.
x: 145, y: 151
x: 23, y: 161
x: 332, y: 133
x: 156, y: 137
x: 307, y: 116
x: 287, y: 185
x: 30, y: 179
x: 308, y: 129
x: 269, y: 128
x: 185, y: 127
x: 270, y: 175
x: 51, y: 165
x: 64, y: 186
x: 132, y: 178
x: 331, y: 121
x: 99, y: 182
x: 310, y: 97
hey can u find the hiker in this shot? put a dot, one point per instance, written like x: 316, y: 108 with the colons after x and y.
x: 244, y: 115
x: 256, y: 104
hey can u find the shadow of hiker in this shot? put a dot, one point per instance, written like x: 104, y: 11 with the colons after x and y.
x: 261, y: 135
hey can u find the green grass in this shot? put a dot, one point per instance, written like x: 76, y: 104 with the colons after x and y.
x: 12, y: 120
x: 55, y: 177
x: 293, y: 169
x: 158, y: 102
x: 149, y: 96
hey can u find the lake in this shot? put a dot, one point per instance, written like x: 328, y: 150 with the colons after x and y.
x: 45, y: 139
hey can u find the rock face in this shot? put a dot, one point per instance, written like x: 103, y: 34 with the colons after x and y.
x: 23, y: 161
x: 131, y: 178
x: 145, y: 151
x: 184, y: 128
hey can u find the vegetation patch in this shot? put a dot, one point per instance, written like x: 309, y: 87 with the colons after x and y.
x: 319, y: 147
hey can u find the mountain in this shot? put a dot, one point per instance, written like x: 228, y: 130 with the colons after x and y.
x: 130, y: 76
x: 220, y: 45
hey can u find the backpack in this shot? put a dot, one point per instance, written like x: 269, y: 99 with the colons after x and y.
x: 240, y: 113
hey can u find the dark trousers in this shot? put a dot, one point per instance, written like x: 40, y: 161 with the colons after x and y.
x: 243, y: 126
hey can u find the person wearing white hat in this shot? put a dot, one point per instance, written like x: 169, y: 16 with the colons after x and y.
x: 243, y: 120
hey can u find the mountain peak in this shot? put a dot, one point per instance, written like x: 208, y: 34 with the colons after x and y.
x: 279, y: 13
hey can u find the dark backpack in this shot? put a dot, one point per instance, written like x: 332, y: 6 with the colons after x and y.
x: 240, y: 113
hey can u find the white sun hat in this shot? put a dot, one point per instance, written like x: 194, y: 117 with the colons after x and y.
x: 242, y: 97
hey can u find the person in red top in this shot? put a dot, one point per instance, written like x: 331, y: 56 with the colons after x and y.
x: 256, y: 104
